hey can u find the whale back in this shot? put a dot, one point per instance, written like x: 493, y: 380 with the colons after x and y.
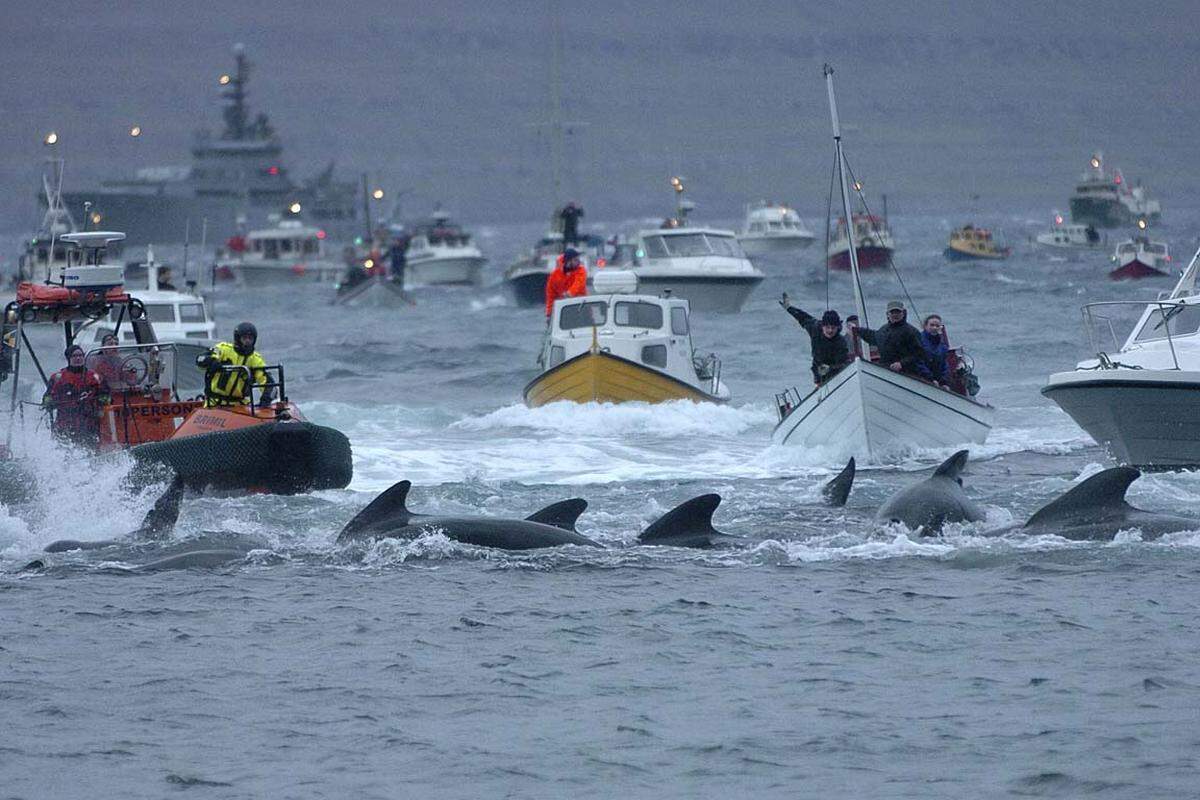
x: 391, y: 506
x: 563, y: 514
x: 689, y: 524
x: 1100, y: 495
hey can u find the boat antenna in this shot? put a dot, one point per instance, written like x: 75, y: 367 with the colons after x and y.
x: 860, y: 305
x: 556, y: 105
x: 367, y: 211
x: 828, y: 215
x: 187, y: 241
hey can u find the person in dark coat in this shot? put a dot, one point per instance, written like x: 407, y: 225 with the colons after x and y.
x: 570, y: 216
x: 899, y: 343
x: 933, y: 340
x: 829, y: 351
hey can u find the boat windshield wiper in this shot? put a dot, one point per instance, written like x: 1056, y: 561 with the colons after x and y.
x: 1167, y: 316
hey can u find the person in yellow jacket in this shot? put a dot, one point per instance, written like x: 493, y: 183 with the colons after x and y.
x: 224, y: 388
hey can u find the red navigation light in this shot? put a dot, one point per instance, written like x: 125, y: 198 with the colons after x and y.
x: 601, y: 263
x: 320, y: 234
x: 1117, y: 179
x: 1058, y: 220
x: 272, y: 170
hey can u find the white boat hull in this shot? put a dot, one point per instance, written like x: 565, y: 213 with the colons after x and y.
x: 755, y: 246
x: 724, y: 294
x: 377, y: 292
x: 451, y: 271
x: 277, y: 274
x: 868, y: 411
x: 1145, y: 417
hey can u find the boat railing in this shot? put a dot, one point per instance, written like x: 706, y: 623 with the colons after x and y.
x: 786, y: 401
x: 708, y: 368
x: 1167, y: 310
x: 272, y: 388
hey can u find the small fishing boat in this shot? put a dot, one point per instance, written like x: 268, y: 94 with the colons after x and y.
x: 972, y: 243
x: 441, y: 253
x: 773, y: 229
x: 866, y: 409
x: 526, y: 277
x: 153, y: 401
x: 620, y: 346
x: 1139, y: 257
x: 289, y: 252
x: 1063, y: 236
x: 873, y: 243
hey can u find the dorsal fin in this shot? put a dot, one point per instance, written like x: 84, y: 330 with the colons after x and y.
x: 838, y: 489
x: 390, y: 505
x: 563, y: 514
x: 689, y: 524
x: 1103, y: 490
x: 952, y: 466
x: 161, y: 518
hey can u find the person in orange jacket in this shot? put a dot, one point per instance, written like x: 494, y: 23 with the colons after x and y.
x: 569, y: 279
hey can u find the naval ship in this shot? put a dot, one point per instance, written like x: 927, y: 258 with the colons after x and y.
x: 236, y: 181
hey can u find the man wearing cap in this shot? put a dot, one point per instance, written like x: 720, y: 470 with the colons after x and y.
x: 569, y: 279
x: 899, y: 343
x: 75, y: 394
x: 829, y: 351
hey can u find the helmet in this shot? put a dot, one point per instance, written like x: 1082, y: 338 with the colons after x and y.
x: 241, y: 330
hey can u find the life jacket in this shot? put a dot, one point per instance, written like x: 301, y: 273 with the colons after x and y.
x: 229, y: 388
x: 76, y: 401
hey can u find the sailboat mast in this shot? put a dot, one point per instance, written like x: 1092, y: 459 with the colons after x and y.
x: 556, y: 111
x: 859, y: 305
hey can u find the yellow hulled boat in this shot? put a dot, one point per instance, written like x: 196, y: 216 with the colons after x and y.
x: 623, y: 348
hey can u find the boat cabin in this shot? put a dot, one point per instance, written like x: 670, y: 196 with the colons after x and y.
x: 438, y: 231
x: 773, y: 219
x: 687, y: 243
x: 288, y: 240
x: 1132, y: 247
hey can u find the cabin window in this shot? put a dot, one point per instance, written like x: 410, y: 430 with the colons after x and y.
x: 655, y: 355
x: 686, y: 244
x: 1180, y: 321
x: 310, y: 246
x: 285, y: 245
x: 679, y: 321
x: 160, y: 312
x: 191, y: 312
x: 582, y: 315
x: 655, y: 248
x: 776, y: 225
x: 756, y: 227
x: 557, y: 355
x: 724, y: 245
x: 196, y: 335
x: 638, y: 315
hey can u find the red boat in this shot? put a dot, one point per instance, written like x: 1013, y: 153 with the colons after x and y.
x: 874, y: 244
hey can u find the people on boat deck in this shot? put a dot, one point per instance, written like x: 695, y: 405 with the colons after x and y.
x: 76, y: 395
x: 933, y: 339
x: 225, y: 388
x: 165, y: 279
x: 829, y: 352
x: 398, y: 257
x: 570, y: 216
x: 899, y: 343
x: 108, y: 365
x: 8, y: 343
x: 569, y: 279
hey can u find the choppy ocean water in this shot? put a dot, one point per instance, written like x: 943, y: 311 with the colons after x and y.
x: 824, y: 654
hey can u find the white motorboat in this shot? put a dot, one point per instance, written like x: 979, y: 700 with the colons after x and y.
x: 705, y: 266
x: 867, y: 410
x: 1140, y: 258
x: 773, y: 229
x: 440, y: 253
x: 175, y: 315
x: 619, y: 345
x: 44, y: 253
x: 526, y: 278
x: 1141, y: 398
x: 289, y: 252
x: 1108, y: 201
x: 1064, y: 236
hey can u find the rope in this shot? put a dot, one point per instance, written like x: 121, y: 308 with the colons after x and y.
x: 828, y: 214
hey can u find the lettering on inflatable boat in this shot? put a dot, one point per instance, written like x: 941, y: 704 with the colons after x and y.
x: 209, y: 419
x: 160, y: 410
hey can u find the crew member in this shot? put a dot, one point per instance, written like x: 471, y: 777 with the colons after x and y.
x: 570, y: 216
x: 933, y: 340
x: 228, y: 387
x: 829, y: 351
x: 76, y: 394
x: 569, y: 279
x: 899, y: 343
x: 398, y: 256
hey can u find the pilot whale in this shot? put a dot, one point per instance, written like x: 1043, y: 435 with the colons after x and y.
x: 388, y: 517
x: 159, y: 522
x: 1097, y: 509
x: 929, y: 504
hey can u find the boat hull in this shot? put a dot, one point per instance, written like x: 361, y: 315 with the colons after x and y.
x: 952, y: 253
x: 258, y: 275
x: 721, y: 294
x: 868, y: 258
x: 868, y: 411
x: 376, y: 291
x: 598, y: 377
x: 1144, y: 418
x: 756, y: 246
x: 1135, y: 270
x: 456, y: 271
x: 528, y: 289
